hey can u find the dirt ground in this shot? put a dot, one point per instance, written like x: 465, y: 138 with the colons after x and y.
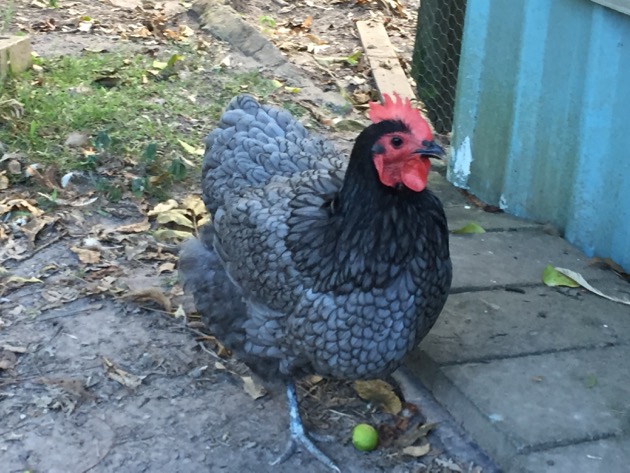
x: 103, y: 367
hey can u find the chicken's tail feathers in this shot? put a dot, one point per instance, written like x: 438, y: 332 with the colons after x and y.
x: 201, y: 272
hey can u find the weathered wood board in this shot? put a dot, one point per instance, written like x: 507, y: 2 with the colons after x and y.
x: 388, y: 73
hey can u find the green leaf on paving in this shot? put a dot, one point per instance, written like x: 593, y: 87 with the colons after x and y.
x: 590, y: 381
x: 469, y: 228
x: 552, y: 278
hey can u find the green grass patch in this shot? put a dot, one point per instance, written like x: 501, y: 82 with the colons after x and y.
x: 144, y: 119
x: 7, y: 12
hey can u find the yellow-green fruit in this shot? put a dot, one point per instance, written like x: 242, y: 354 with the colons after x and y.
x: 364, y: 437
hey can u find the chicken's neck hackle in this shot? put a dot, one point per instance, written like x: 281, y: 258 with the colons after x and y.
x: 373, y: 229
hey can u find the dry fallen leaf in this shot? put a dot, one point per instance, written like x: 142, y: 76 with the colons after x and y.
x: 166, y: 234
x: 180, y: 312
x: 32, y: 228
x: 121, y: 376
x: 380, y: 393
x: 450, y: 464
x: 195, y: 205
x: 11, y: 204
x: 166, y: 268
x: 254, y: 390
x: 579, y: 279
x: 20, y: 280
x: 4, y: 181
x: 417, y: 451
x: 126, y: 4
x: 163, y: 207
x: 74, y: 387
x: 176, y: 216
x: 138, y: 227
x: 7, y: 360
x: 86, y: 256
x: 13, y: 348
x: 413, y: 433
x: 153, y: 294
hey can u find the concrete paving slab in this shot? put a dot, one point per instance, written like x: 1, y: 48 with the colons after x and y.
x: 458, y: 216
x: 460, y: 211
x: 479, y: 326
x: 603, y: 456
x: 450, y: 195
x: 499, y: 259
x: 539, y: 402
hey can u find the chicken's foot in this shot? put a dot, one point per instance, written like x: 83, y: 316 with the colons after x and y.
x: 299, y: 436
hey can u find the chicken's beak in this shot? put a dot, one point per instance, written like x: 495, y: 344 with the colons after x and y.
x: 430, y: 148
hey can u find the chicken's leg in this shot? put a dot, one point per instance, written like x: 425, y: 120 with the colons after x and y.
x: 298, y: 436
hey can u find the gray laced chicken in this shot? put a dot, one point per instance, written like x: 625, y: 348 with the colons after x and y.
x: 314, y: 264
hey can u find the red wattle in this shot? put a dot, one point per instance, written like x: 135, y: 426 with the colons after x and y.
x: 415, y: 173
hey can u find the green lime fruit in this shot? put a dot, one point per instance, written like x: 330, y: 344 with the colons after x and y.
x: 364, y: 437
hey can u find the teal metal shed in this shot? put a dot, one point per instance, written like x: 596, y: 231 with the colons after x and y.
x: 542, y: 116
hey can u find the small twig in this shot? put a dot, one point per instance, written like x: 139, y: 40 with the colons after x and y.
x: 65, y: 314
x: 209, y: 352
x: 107, y: 452
x: 45, y: 245
x: 59, y: 329
x: 19, y: 425
x: 199, y: 333
x: 151, y: 309
x: 340, y: 413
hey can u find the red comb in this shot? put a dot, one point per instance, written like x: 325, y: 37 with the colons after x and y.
x: 402, y: 110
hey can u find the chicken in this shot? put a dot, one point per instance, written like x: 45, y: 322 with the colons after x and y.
x: 314, y: 264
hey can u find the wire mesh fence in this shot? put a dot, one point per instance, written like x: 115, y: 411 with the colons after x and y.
x: 436, y: 58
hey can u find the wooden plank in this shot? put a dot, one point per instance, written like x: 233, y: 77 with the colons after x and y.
x: 388, y: 73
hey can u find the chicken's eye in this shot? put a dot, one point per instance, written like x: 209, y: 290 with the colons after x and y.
x: 396, y: 142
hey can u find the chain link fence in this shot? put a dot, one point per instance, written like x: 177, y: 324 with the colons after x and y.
x: 436, y: 58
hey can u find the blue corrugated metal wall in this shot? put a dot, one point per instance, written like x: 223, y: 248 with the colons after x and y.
x: 542, y: 117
